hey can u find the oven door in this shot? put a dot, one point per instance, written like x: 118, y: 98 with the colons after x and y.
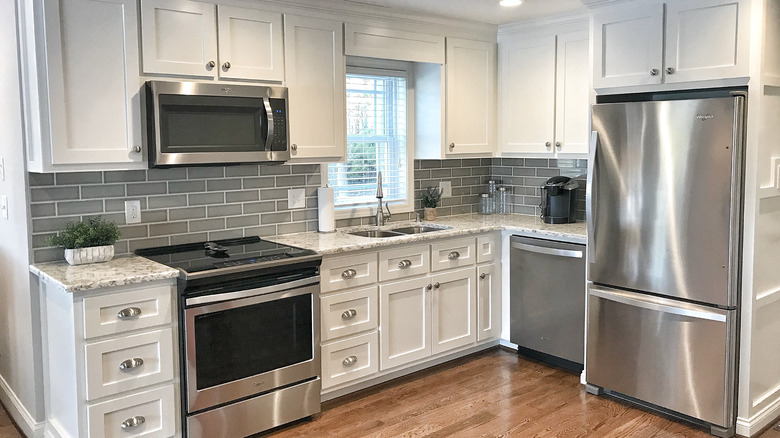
x: 249, y: 342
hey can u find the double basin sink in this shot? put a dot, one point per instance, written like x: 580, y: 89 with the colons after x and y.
x: 395, y: 232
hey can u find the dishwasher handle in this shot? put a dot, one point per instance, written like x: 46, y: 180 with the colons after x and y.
x: 548, y: 251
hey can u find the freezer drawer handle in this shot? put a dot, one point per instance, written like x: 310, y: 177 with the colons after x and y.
x: 658, y: 307
x: 548, y: 251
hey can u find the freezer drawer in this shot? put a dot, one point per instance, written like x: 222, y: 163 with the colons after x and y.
x: 672, y: 354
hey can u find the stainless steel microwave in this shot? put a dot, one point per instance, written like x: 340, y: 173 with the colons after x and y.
x: 198, y: 124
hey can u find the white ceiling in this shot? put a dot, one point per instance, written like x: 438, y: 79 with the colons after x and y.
x: 487, y: 11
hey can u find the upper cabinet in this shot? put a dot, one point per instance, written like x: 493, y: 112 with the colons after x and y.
x: 187, y: 38
x: 400, y: 45
x: 657, y: 43
x: 544, y: 94
x: 316, y: 81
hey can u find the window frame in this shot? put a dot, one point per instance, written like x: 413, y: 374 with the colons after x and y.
x: 384, y: 67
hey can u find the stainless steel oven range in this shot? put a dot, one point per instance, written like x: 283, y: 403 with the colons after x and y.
x: 249, y: 330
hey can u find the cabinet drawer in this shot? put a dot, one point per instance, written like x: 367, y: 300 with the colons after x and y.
x: 128, y: 363
x: 404, y: 262
x: 348, y: 313
x: 147, y: 307
x: 452, y: 254
x: 349, y: 359
x: 156, y: 408
x: 486, y: 248
x: 344, y: 272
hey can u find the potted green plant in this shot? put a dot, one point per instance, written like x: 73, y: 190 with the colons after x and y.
x: 431, y: 198
x: 87, y: 242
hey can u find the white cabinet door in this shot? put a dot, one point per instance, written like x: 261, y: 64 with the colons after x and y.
x: 488, y: 302
x: 93, y: 79
x: 316, y: 80
x: 405, y: 328
x: 628, y: 46
x: 453, y: 319
x: 572, y: 94
x: 470, y: 101
x: 527, y: 95
x: 706, y: 39
x: 179, y: 37
x: 250, y: 44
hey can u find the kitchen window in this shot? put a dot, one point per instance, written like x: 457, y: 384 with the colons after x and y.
x: 378, y: 123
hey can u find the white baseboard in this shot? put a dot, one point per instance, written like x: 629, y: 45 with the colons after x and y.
x: 17, y: 411
x: 763, y: 418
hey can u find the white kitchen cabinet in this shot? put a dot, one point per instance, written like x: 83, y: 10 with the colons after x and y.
x: 400, y: 45
x: 348, y: 359
x: 188, y: 38
x: 405, y: 309
x: 83, y: 108
x: 453, y: 310
x: 488, y: 302
x: 316, y: 81
x: 694, y: 40
x: 544, y: 93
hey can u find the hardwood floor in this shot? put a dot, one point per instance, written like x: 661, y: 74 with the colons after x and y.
x: 490, y: 394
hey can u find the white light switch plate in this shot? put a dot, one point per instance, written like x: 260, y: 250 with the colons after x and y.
x: 132, y: 212
x: 296, y: 198
x: 446, y: 188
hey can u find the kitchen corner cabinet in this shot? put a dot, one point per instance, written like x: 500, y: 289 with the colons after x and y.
x: 661, y: 43
x: 82, y: 102
x: 545, y: 94
x: 188, y: 38
x: 316, y: 81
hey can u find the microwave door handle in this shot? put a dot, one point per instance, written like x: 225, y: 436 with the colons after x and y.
x: 269, y: 116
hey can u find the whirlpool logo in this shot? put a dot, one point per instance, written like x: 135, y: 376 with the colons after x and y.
x: 704, y: 117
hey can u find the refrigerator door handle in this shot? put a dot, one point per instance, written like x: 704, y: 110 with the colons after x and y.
x: 548, y: 251
x: 660, y: 304
x: 589, y: 205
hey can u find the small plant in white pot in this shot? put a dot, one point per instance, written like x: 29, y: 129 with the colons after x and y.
x: 87, y: 242
x: 431, y: 198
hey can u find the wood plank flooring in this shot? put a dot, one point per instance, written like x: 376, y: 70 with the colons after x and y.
x: 490, y: 394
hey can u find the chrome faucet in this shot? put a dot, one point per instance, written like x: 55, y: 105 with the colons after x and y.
x: 381, y: 217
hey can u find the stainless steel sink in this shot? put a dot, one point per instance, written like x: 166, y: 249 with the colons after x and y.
x: 376, y: 233
x: 417, y: 229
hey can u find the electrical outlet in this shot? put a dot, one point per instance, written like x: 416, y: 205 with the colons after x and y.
x: 446, y: 189
x: 4, y: 207
x: 132, y: 212
x: 296, y: 198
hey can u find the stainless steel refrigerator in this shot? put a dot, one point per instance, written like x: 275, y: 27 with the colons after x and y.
x: 664, y: 233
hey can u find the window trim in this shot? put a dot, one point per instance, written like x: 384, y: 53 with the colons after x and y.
x: 384, y: 67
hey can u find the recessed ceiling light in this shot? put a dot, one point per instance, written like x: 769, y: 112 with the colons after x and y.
x: 510, y: 2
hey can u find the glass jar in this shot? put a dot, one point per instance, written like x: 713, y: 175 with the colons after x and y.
x: 492, y: 185
x: 486, y: 205
x: 502, y: 201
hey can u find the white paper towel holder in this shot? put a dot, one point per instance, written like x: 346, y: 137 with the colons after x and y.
x: 319, y: 212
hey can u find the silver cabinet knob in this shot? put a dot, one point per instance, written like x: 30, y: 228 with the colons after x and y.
x: 670, y: 70
x: 349, y: 361
x: 294, y: 147
x: 128, y: 312
x: 226, y: 66
x: 454, y: 255
x: 452, y: 145
x: 349, y: 273
x: 211, y: 64
x: 133, y: 422
x: 131, y: 363
x: 403, y: 264
x: 349, y: 314
x: 654, y: 72
x: 429, y: 287
x: 436, y: 285
x: 137, y: 149
x: 547, y: 145
x: 482, y: 276
x: 558, y: 145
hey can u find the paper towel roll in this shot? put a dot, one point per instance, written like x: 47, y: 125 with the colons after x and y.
x: 325, y: 210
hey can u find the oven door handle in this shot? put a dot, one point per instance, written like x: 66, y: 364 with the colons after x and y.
x: 248, y: 293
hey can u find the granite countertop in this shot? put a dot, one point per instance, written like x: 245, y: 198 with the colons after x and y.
x: 341, y: 242
x: 119, y: 271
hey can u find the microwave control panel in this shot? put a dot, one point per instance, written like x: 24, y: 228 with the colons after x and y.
x: 279, y: 110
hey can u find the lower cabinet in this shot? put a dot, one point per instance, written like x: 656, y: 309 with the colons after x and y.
x: 453, y: 310
x: 488, y: 301
x: 405, y: 318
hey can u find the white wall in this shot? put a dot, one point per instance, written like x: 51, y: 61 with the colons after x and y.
x: 20, y: 369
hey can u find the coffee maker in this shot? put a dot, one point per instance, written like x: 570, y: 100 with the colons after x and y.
x: 559, y: 200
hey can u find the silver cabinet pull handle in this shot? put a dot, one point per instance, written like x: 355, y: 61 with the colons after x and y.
x: 436, y: 285
x: 137, y: 149
x: 654, y: 72
x: 452, y: 145
x: 131, y: 363
x: 294, y: 147
x: 349, y: 273
x: 226, y: 66
x: 133, y: 422
x: 349, y: 314
x: 453, y: 255
x: 670, y: 70
x: 482, y: 276
x: 211, y: 64
x: 429, y: 287
x: 128, y: 312
x: 403, y: 264
x: 349, y: 361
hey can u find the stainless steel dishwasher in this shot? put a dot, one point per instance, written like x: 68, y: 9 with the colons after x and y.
x: 547, y: 300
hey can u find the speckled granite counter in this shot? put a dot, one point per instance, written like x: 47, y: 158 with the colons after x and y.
x: 116, y: 272
x: 341, y: 242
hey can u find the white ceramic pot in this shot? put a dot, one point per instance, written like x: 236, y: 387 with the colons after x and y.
x: 93, y: 254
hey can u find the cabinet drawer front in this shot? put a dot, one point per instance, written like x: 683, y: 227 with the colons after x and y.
x: 452, y: 254
x: 151, y: 307
x: 350, y: 359
x: 128, y: 363
x: 348, y: 313
x: 404, y: 262
x: 349, y: 271
x: 156, y: 408
x: 486, y: 248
